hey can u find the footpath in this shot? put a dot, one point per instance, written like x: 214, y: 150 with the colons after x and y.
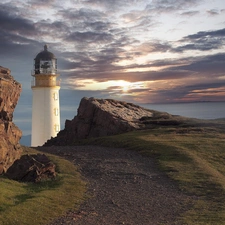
x: 123, y: 188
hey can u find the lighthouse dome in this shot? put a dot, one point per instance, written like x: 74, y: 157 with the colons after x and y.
x: 45, y: 55
x: 45, y: 62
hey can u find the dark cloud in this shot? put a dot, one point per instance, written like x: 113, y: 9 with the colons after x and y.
x: 16, y: 35
x: 207, y: 65
x: 188, y: 93
x: 83, y: 15
x: 99, y: 26
x: 200, y: 46
x: 87, y: 26
x: 202, y: 35
x: 190, y: 13
x: 103, y: 67
x: 89, y: 37
x: 111, y: 5
x: 41, y: 3
x: 88, y: 64
x: 170, y: 6
x: 15, y: 24
x: 213, y: 12
x: 100, y: 65
x: 202, y: 41
x: 58, y: 28
x: 205, y: 85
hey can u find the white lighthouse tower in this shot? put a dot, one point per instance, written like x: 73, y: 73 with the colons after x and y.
x: 45, y: 105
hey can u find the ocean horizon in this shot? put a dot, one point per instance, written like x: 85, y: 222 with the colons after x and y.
x: 199, y: 110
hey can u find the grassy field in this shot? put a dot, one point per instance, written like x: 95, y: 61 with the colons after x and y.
x: 38, y: 204
x: 191, y: 155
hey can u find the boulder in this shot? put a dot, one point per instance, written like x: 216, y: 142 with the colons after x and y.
x: 32, y: 168
x: 10, y: 134
x: 102, y: 117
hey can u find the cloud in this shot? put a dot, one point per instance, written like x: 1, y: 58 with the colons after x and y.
x: 113, y: 5
x: 206, y: 34
x: 150, y: 47
x: 101, y: 65
x: 46, y: 28
x: 41, y: 3
x: 15, y: 24
x: 213, y: 12
x: 207, y: 65
x: 89, y: 37
x: 202, y: 41
x: 82, y: 16
x: 169, y: 6
x: 190, y: 13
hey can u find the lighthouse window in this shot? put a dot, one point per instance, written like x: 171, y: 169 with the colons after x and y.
x: 45, y: 66
x: 56, y: 127
x: 55, y: 96
x: 56, y: 111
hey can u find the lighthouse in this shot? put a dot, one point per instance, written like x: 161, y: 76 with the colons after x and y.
x: 45, y: 104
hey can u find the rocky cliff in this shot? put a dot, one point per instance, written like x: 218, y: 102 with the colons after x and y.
x: 10, y: 149
x: 103, y: 117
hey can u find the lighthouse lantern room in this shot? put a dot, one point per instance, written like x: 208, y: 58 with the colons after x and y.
x: 45, y: 103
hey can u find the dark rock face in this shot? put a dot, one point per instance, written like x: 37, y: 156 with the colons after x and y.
x: 10, y: 149
x: 101, y: 117
x: 32, y: 168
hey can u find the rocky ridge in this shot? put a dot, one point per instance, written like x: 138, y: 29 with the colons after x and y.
x: 104, y: 117
x: 10, y: 134
x: 101, y: 117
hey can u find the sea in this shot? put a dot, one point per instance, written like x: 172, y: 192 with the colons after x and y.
x: 199, y: 110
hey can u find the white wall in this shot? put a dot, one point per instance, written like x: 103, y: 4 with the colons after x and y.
x: 45, y: 114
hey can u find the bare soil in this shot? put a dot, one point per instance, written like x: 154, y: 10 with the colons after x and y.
x: 123, y: 188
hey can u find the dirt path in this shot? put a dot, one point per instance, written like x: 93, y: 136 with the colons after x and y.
x: 126, y: 188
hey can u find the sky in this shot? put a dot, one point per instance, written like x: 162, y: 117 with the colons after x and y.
x: 140, y: 51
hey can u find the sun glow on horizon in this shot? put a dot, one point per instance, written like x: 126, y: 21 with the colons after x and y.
x: 115, y: 85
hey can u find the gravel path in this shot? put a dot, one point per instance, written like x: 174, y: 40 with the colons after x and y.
x: 125, y: 188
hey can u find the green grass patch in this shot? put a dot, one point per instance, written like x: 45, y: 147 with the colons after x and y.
x: 38, y: 204
x: 192, y: 156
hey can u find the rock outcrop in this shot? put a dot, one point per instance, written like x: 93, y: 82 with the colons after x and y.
x: 10, y: 149
x: 102, y: 117
x: 32, y: 168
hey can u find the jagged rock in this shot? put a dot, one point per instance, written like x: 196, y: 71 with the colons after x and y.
x: 10, y: 149
x: 32, y: 168
x: 102, y: 117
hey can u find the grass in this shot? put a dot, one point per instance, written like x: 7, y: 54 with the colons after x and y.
x: 38, y: 204
x: 193, y: 156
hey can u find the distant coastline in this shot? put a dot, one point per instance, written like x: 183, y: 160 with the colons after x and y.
x: 199, y: 110
x: 180, y: 102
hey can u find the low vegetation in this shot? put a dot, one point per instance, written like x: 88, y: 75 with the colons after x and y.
x: 193, y: 155
x: 38, y: 204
